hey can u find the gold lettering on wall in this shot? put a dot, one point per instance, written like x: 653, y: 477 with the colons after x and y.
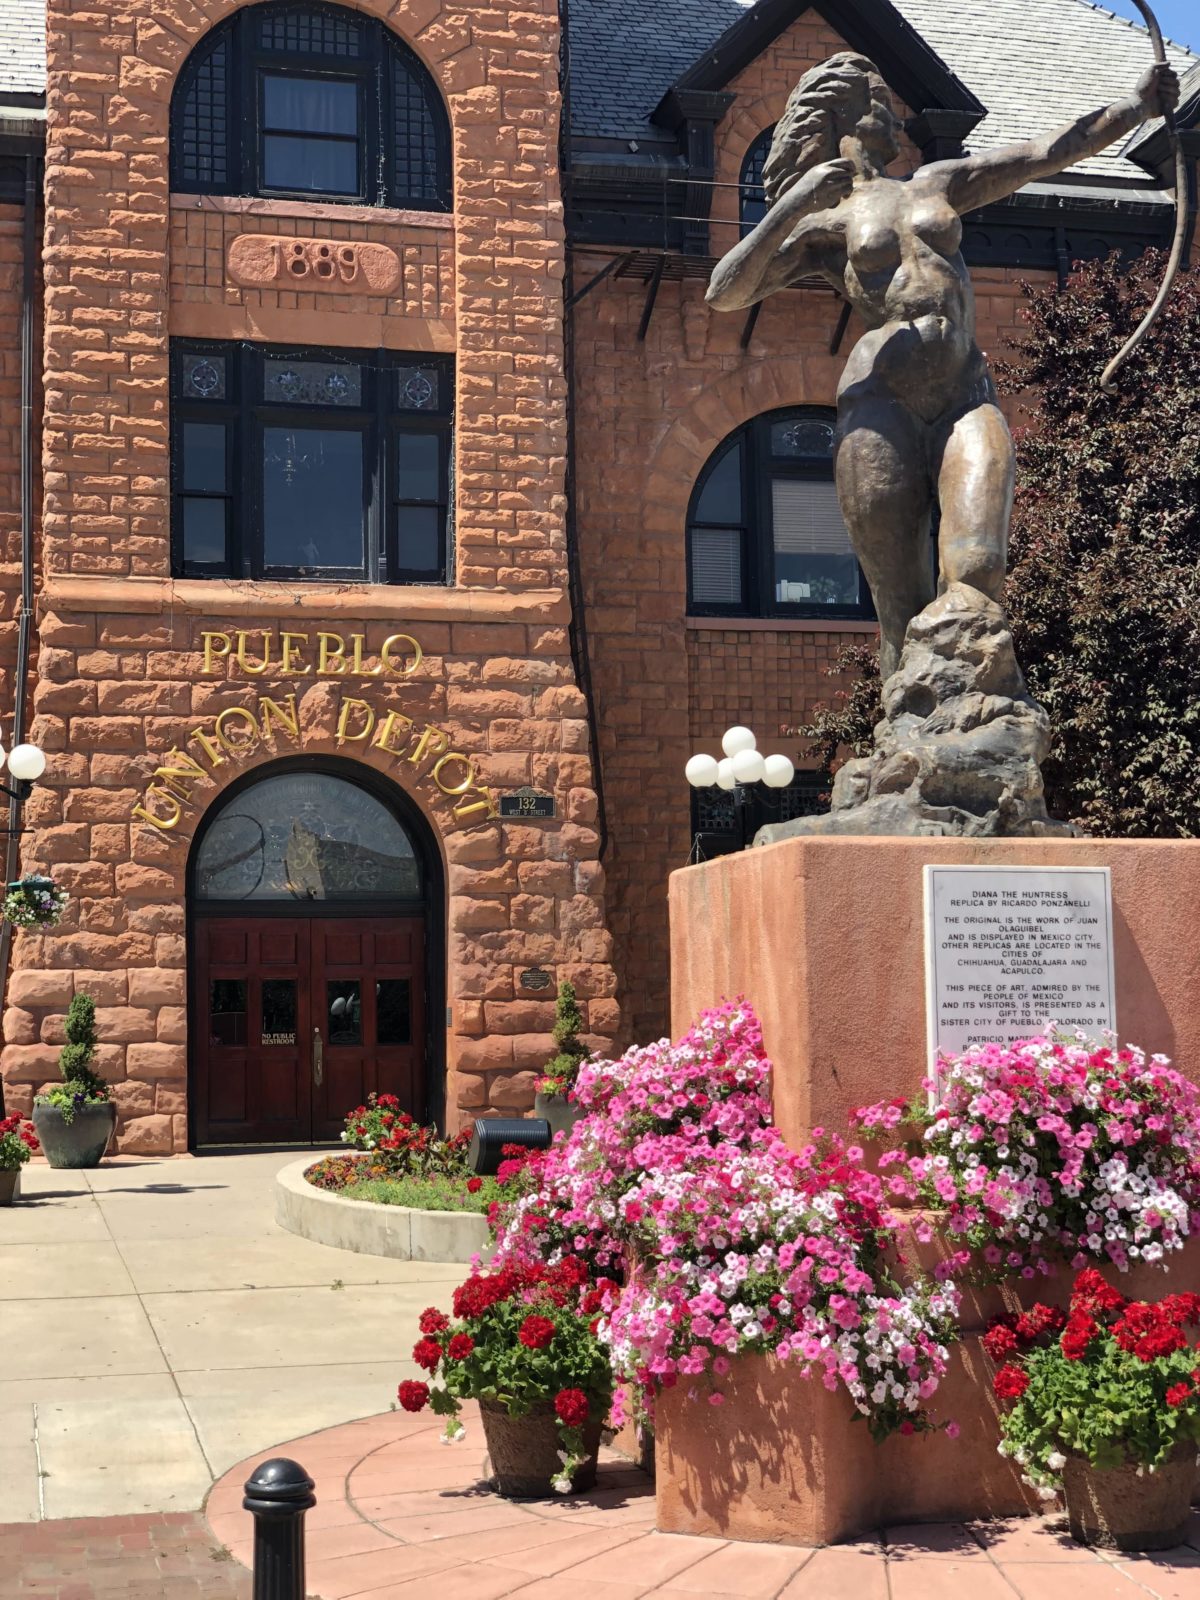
x: 334, y: 655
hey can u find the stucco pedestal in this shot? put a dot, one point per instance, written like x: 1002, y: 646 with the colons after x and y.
x: 825, y: 938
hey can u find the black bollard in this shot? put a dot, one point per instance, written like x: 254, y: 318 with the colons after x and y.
x: 277, y: 1496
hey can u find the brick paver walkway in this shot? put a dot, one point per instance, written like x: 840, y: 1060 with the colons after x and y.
x: 170, y: 1556
x: 400, y: 1516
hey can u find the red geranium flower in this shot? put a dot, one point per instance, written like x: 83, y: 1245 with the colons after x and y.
x: 413, y: 1396
x: 535, y: 1333
x: 1179, y: 1394
x: 432, y: 1320
x: 1010, y: 1383
x: 427, y: 1353
x: 1000, y: 1342
x: 474, y: 1185
x: 1076, y: 1336
x: 460, y: 1347
x: 571, y: 1407
x: 1093, y: 1294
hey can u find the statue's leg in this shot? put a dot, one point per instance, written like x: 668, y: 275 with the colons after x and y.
x: 975, y: 491
x: 883, y: 485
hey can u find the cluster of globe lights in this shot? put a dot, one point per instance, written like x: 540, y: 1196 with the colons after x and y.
x: 743, y: 763
x: 26, y: 762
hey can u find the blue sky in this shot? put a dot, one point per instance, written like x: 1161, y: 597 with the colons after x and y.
x: 1179, y: 19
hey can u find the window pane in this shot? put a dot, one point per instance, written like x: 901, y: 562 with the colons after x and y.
x: 420, y: 538
x: 204, y: 457
x: 313, y: 498
x: 279, y: 1011
x: 313, y: 166
x: 227, y: 1011
x: 310, y: 105
x: 312, y: 383
x: 393, y: 1020
x: 204, y: 531
x: 344, y: 1006
x: 417, y: 466
x: 417, y: 388
x: 807, y: 439
x: 204, y: 377
x: 814, y: 564
x: 306, y: 836
x: 717, y: 566
x: 753, y: 197
x: 310, y: 32
x: 721, y: 498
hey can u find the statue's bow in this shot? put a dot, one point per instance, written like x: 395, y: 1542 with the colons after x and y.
x: 1181, y: 221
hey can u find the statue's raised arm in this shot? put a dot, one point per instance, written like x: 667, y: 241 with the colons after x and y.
x: 976, y: 181
x: 919, y: 426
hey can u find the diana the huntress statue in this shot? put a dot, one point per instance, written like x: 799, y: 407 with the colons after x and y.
x: 961, y: 743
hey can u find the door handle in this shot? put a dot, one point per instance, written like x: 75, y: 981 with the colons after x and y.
x: 318, y: 1058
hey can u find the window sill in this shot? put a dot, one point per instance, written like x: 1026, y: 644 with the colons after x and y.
x: 781, y: 625
x: 309, y: 602
x: 311, y: 210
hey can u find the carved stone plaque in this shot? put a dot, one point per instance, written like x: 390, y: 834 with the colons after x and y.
x: 276, y: 261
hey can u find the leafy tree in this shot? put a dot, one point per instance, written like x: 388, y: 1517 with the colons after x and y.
x: 1104, y: 568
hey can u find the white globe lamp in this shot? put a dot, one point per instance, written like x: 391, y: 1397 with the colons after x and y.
x: 725, y: 777
x: 735, y: 740
x: 26, y: 763
x: 748, y: 767
x: 778, y: 772
x: 701, y: 772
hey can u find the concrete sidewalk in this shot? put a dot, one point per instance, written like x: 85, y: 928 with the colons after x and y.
x: 158, y: 1326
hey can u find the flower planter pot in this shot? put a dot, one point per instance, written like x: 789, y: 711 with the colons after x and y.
x: 10, y: 1185
x: 1118, y: 1510
x: 562, y: 1115
x: 80, y: 1142
x: 524, y: 1452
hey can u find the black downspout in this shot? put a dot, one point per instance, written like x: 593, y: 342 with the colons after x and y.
x: 12, y: 856
x: 578, y: 626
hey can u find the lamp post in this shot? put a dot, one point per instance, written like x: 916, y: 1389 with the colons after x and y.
x: 26, y: 763
x: 742, y: 767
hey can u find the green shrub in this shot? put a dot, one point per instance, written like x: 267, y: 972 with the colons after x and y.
x: 80, y: 1086
x: 562, y: 1068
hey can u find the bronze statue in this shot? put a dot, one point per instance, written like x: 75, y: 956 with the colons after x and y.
x: 918, y: 419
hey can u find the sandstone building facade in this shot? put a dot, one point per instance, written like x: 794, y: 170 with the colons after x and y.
x: 399, y: 519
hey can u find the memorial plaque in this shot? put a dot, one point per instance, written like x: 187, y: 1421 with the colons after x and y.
x: 1008, y: 949
x: 536, y: 978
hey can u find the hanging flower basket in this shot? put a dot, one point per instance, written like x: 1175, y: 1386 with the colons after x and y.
x: 34, y: 902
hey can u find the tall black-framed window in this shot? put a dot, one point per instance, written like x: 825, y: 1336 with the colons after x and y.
x: 765, y: 534
x: 752, y: 199
x: 310, y: 101
x: 303, y: 463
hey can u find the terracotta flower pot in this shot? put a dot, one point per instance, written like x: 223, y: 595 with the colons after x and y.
x: 10, y: 1184
x: 524, y: 1451
x: 80, y: 1142
x: 1118, y: 1510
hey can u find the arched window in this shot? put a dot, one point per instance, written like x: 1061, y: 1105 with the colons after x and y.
x: 751, y: 198
x: 765, y: 533
x: 306, y: 101
x: 306, y: 836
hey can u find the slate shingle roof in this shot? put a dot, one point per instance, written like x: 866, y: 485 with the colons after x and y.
x: 1034, y: 63
x: 22, y: 47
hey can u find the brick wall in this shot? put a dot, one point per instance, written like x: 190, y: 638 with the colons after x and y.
x: 120, y: 674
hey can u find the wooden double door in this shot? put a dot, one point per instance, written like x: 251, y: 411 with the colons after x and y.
x: 296, y: 1020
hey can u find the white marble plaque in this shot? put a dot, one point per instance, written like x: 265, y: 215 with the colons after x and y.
x: 1008, y: 949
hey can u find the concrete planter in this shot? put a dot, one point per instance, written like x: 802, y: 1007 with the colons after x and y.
x: 524, y: 1452
x: 10, y: 1185
x: 1128, y: 1509
x: 80, y: 1142
x: 562, y: 1115
x: 399, y: 1232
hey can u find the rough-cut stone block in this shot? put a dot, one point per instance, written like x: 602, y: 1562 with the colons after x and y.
x: 153, y: 1061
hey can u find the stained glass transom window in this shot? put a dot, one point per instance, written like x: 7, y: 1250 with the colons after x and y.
x: 306, y: 836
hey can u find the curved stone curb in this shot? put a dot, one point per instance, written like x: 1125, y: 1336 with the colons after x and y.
x: 374, y: 1230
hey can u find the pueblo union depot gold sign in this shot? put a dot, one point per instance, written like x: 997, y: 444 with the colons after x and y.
x: 237, y: 730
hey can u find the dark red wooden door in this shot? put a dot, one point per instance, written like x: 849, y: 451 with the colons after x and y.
x: 367, y: 1015
x: 298, y: 1020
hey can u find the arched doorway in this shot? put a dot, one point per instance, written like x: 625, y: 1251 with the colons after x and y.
x: 314, y: 955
